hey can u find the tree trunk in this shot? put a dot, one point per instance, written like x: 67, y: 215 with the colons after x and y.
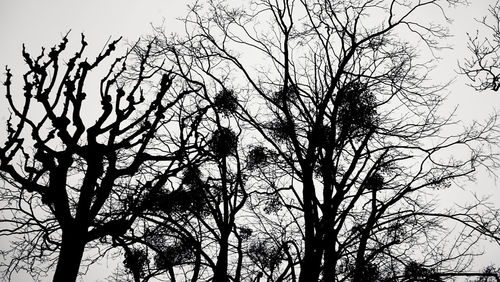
x: 197, y: 266
x: 220, y: 274
x: 331, y: 258
x: 70, y: 257
x: 311, y: 263
x: 360, y: 265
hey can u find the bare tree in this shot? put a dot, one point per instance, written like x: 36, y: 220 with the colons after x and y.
x: 344, y: 100
x: 299, y: 141
x: 193, y: 231
x: 76, y: 175
x: 483, y: 66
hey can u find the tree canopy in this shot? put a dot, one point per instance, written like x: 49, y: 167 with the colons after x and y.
x: 273, y: 141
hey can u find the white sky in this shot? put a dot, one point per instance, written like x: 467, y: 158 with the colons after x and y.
x: 40, y: 23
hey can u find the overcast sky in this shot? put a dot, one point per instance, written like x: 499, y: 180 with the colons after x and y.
x: 40, y: 23
x: 43, y: 23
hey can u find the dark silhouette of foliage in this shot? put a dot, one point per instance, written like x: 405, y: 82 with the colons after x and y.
x: 265, y: 254
x: 370, y: 272
x: 136, y: 261
x: 223, y: 142
x: 226, y: 101
x: 173, y: 255
x: 357, y: 110
x: 417, y: 272
x: 279, y: 129
x: 258, y: 156
x: 284, y: 96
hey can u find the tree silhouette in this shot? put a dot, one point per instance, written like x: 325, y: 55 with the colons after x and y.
x: 76, y: 175
x: 343, y: 99
x: 276, y: 141
x: 482, y: 66
x: 193, y: 231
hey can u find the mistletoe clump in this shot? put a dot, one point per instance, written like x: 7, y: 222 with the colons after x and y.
x: 257, y: 157
x: 192, y: 178
x: 224, y: 142
x: 172, y: 255
x: 226, y: 102
x: 357, y: 112
x: 374, y: 181
x: 265, y: 253
x: 285, y: 95
x: 280, y: 130
x: 136, y: 261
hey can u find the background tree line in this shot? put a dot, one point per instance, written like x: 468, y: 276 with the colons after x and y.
x: 276, y: 141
